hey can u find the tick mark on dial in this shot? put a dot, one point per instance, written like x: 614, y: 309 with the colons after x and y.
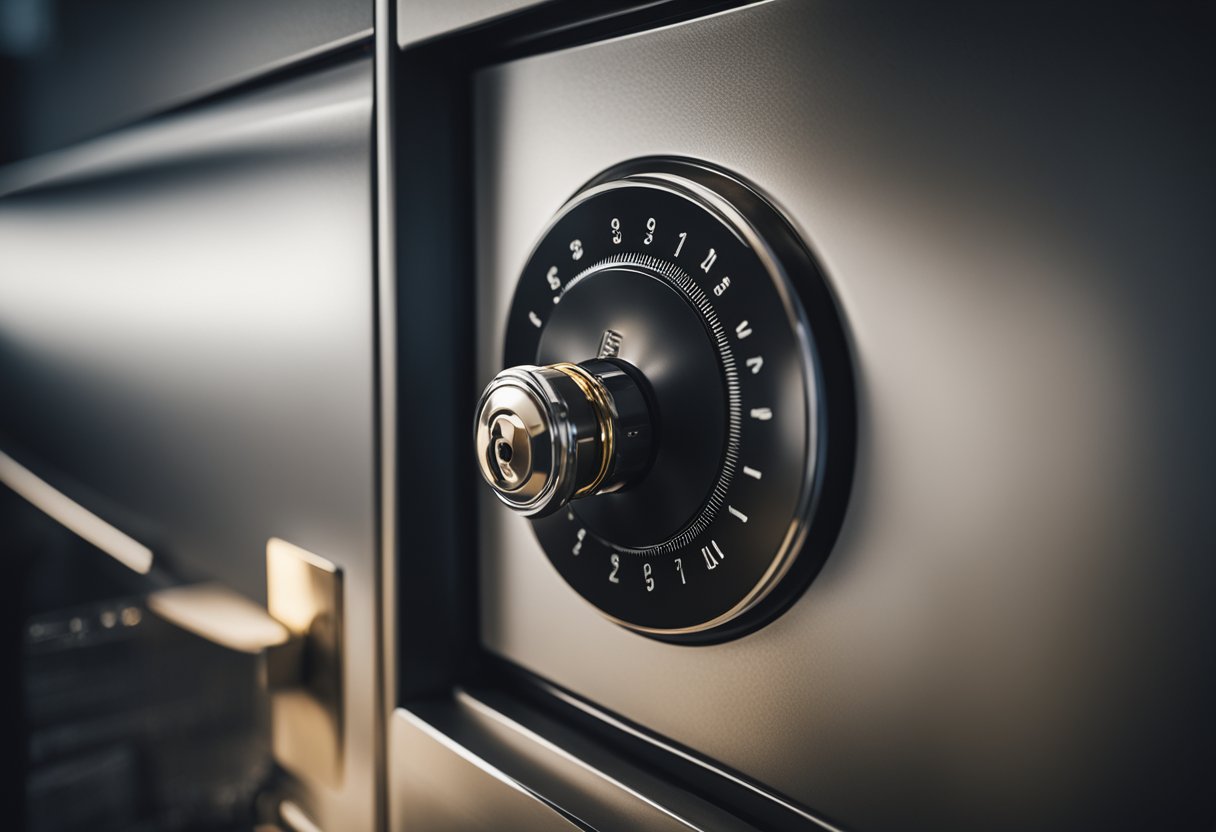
x: 751, y: 472
x: 742, y: 517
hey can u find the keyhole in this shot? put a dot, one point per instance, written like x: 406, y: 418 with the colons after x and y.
x: 504, y: 450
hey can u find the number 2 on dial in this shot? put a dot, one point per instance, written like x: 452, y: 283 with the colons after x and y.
x: 616, y: 564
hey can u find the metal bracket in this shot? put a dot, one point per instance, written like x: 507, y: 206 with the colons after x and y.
x: 304, y: 593
x: 300, y: 635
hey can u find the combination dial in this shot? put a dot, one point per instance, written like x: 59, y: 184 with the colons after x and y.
x: 676, y: 417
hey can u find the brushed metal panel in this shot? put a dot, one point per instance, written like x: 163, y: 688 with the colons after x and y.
x: 418, y: 20
x: 87, y: 67
x: 486, y: 761
x: 1015, y: 209
x: 186, y: 349
x: 439, y: 786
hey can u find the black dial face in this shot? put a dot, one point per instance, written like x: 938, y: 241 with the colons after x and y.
x: 687, y: 276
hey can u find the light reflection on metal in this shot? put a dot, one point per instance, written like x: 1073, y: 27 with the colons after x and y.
x: 58, y: 506
x: 304, y: 593
x: 295, y: 819
x: 220, y: 615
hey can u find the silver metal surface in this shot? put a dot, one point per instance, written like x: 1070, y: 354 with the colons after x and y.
x: 419, y: 21
x: 487, y: 762
x: 383, y: 599
x: 99, y: 68
x: 1014, y: 624
x: 440, y: 786
x: 186, y: 322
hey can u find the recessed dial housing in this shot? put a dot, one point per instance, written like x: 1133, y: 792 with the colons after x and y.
x: 704, y: 340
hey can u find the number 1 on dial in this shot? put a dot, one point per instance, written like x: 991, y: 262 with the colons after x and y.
x: 683, y: 237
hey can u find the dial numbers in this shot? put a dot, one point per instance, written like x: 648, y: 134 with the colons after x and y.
x: 714, y: 572
x: 710, y: 577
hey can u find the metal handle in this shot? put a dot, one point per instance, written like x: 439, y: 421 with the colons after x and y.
x: 300, y: 634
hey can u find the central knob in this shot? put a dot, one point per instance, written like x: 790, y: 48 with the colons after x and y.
x: 547, y: 435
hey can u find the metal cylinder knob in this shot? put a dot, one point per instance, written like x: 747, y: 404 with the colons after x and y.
x: 547, y: 435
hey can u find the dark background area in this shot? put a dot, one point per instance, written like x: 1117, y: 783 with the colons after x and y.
x: 118, y: 721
